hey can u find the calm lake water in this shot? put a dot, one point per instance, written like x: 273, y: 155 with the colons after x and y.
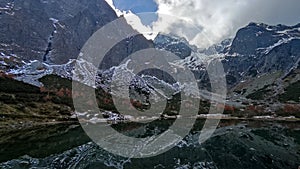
x: 234, y: 145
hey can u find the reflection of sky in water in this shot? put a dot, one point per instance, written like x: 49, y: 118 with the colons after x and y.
x: 138, y: 6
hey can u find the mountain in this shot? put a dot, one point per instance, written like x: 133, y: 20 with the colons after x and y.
x: 174, y: 44
x: 50, y: 30
x: 54, y: 31
x: 261, y: 62
x: 263, y: 57
x: 40, y: 41
x: 258, y: 49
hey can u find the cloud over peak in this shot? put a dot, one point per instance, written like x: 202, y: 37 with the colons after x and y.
x: 220, y: 19
x: 205, y: 22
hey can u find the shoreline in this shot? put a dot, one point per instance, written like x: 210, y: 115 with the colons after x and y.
x: 24, y: 125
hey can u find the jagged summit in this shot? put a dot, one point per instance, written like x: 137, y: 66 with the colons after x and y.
x: 278, y: 27
x: 177, y: 45
x: 256, y: 36
x: 257, y: 50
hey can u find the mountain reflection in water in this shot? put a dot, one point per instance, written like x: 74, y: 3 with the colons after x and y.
x: 235, y: 144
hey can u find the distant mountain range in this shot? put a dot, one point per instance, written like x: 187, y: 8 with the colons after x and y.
x: 42, y: 38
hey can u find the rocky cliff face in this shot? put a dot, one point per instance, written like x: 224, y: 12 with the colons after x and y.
x: 261, y: 62
x: 260, y: 57
x: 176, y: 45
x: 258, y: 49
x: 51, y: 31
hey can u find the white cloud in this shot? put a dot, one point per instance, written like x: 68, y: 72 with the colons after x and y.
x: 220, y: 19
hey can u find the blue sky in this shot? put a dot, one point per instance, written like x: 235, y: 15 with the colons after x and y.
x: 138, y: 6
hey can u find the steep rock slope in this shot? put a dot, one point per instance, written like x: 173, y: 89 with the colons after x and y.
x: 52, y: 31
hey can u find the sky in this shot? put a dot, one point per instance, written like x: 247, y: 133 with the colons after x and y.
x: 138, y: 6
x: 205, y: 22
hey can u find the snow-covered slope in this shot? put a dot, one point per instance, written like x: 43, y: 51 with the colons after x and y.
x: 258, y: 50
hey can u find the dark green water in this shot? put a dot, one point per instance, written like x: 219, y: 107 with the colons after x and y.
x: 236, y: 145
